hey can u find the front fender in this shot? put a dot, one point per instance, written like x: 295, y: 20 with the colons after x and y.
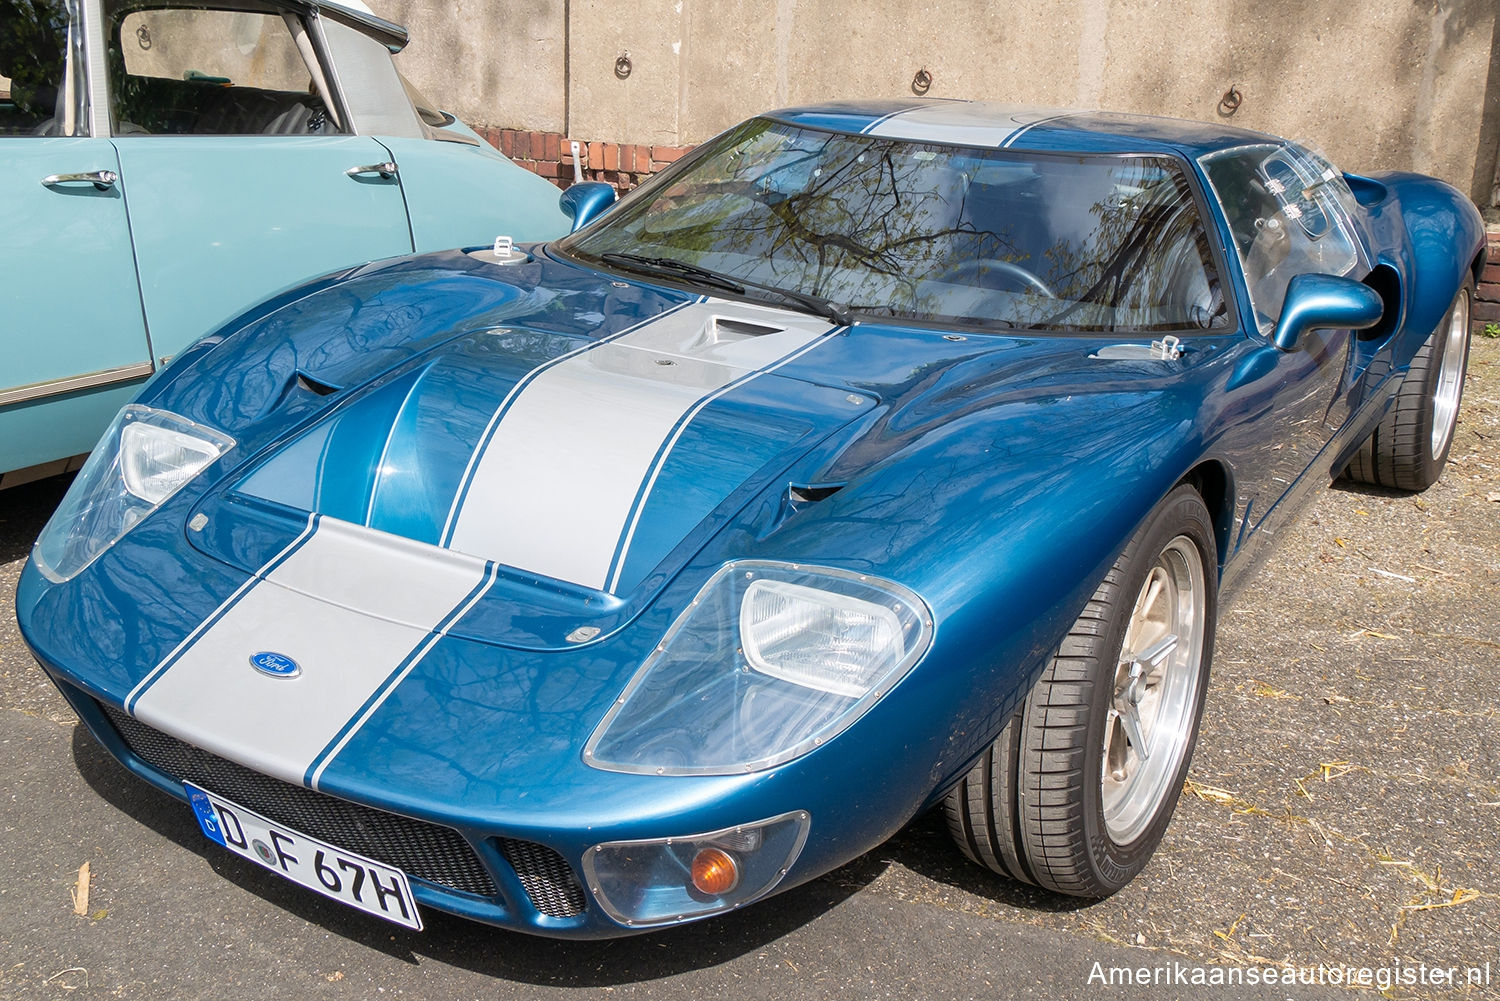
x: 1447, y: 241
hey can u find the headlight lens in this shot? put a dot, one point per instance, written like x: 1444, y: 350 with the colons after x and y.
x: 819, y: 639
x: 667, y: 880
x: 144, y: 458
x: 769, y: 661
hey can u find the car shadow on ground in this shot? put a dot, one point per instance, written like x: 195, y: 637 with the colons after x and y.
x: 1369, y: 489
x: 923, y: 847
x: 23, y: 512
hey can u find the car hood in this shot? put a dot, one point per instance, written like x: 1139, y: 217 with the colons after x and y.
x: 585, y: 471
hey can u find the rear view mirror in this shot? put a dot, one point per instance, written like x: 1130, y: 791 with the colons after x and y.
x: 1318, y: 302
x: 587, y: 201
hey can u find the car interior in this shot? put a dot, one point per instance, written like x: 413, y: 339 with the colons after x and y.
x: 213, y: 71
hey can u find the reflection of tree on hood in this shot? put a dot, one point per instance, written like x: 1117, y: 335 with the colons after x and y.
x: 33, y: 34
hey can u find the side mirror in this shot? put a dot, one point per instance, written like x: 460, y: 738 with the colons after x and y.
x: 1318, y: 302
x: 586, y: 201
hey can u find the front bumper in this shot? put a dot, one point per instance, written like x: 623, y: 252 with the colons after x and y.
x: 484, y: 876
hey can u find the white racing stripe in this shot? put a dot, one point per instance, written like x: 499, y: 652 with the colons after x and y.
x: 957, y: 122
x: 553, y: 490
x: 351, y: 606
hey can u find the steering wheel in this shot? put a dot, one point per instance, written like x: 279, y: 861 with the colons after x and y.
x: 972, y: 268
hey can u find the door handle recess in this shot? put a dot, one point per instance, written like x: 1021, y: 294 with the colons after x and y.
x: 386, y: 170
x: 101, y: 179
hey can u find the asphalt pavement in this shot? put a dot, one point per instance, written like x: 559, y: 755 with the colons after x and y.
x: 1343, y: 811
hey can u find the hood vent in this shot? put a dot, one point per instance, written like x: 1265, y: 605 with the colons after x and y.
x: 724, y: 330
x: 308, y: 384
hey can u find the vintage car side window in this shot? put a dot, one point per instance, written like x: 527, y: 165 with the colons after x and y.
x: 378, y: 102
x: 1287, y: 217
x: 41, y: 93
x: 195, y: 71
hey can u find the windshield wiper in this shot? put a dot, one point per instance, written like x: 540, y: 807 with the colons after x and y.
x: 670, y: 266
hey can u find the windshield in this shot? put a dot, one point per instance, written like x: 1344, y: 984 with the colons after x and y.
x: 905, y: 230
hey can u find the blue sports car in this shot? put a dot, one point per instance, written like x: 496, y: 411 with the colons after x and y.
x: 873, y: 458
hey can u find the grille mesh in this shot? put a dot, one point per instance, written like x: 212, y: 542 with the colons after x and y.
x: 547, y: 878
x: 428, y: 851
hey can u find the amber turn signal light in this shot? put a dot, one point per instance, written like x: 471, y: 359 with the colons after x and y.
x: 715, y: 871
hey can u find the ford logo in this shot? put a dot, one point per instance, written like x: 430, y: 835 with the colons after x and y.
x: 275, y: 664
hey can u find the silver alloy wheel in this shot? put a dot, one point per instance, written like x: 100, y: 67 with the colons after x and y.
x: 1152, y: 712
x: 1450, y: 378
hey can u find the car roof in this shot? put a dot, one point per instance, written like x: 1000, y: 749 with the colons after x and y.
x: 355, y: 13
x: 988, y: 124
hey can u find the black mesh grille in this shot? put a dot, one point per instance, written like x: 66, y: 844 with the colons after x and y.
x: 546, y: 876
x: 428, y: 851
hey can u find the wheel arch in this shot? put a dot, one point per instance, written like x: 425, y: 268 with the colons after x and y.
x: 1214, y: 483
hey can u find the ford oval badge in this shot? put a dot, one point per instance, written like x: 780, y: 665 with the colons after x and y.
x: 277, y: 665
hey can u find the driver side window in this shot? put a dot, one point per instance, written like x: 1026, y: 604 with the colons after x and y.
x: 1283, y: 208
x: 192, y: 71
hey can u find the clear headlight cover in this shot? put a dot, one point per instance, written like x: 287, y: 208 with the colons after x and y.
x: 769, y: 661
x: 656, y: 882
x: 144, y: 458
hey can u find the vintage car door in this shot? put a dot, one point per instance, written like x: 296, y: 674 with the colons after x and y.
x: 72, y: 339
x: 459, y: 190
x: 241, y: 173
x: 1285, y: 220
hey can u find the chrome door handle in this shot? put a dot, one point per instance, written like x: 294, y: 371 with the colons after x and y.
x: 386, y: 170
x: 101, y: 179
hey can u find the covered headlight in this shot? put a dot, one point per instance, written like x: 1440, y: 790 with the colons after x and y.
x: 144, y: 458
x: 769, y: 661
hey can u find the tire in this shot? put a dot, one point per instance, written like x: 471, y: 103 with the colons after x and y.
x: 1062, y: 798
x: 1410, y: 446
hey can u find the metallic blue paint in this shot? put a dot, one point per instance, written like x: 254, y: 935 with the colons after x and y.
x: 587, y: 201
x: 996, y: 475
x: 1320, y: 302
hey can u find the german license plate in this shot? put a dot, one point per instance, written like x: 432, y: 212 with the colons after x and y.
x: 352, y: 879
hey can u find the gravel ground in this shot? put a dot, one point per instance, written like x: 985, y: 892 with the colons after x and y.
x: 1343, y: 809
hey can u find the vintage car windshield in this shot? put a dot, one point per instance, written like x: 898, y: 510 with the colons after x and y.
x: 931, y: 233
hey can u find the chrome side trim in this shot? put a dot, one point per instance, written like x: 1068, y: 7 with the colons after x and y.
x: 56, y: 387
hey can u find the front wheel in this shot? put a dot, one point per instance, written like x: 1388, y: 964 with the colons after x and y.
x: 1410, y: 446
x: 1076, y: 792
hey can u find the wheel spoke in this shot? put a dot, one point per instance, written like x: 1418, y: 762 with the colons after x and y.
x: 1154, y: 655
x: 1148, y: 600
x: 1130, y: 719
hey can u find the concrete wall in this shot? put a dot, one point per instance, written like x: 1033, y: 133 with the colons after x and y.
x: 1377, y: 84
x: 490, y: 62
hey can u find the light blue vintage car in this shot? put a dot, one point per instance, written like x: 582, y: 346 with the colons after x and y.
x: 165, y: 164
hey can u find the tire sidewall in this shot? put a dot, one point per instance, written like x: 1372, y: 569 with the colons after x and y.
x: 1181, y: 513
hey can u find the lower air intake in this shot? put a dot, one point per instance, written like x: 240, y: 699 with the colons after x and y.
x: 427, y: 851
x: 546, y: 877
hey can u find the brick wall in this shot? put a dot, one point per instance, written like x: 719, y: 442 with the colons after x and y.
x: 1487, y: 296
x: 550, y: 155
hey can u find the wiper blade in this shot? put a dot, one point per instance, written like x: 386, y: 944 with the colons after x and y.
x: 813, y: 303
x: 666, y: 265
